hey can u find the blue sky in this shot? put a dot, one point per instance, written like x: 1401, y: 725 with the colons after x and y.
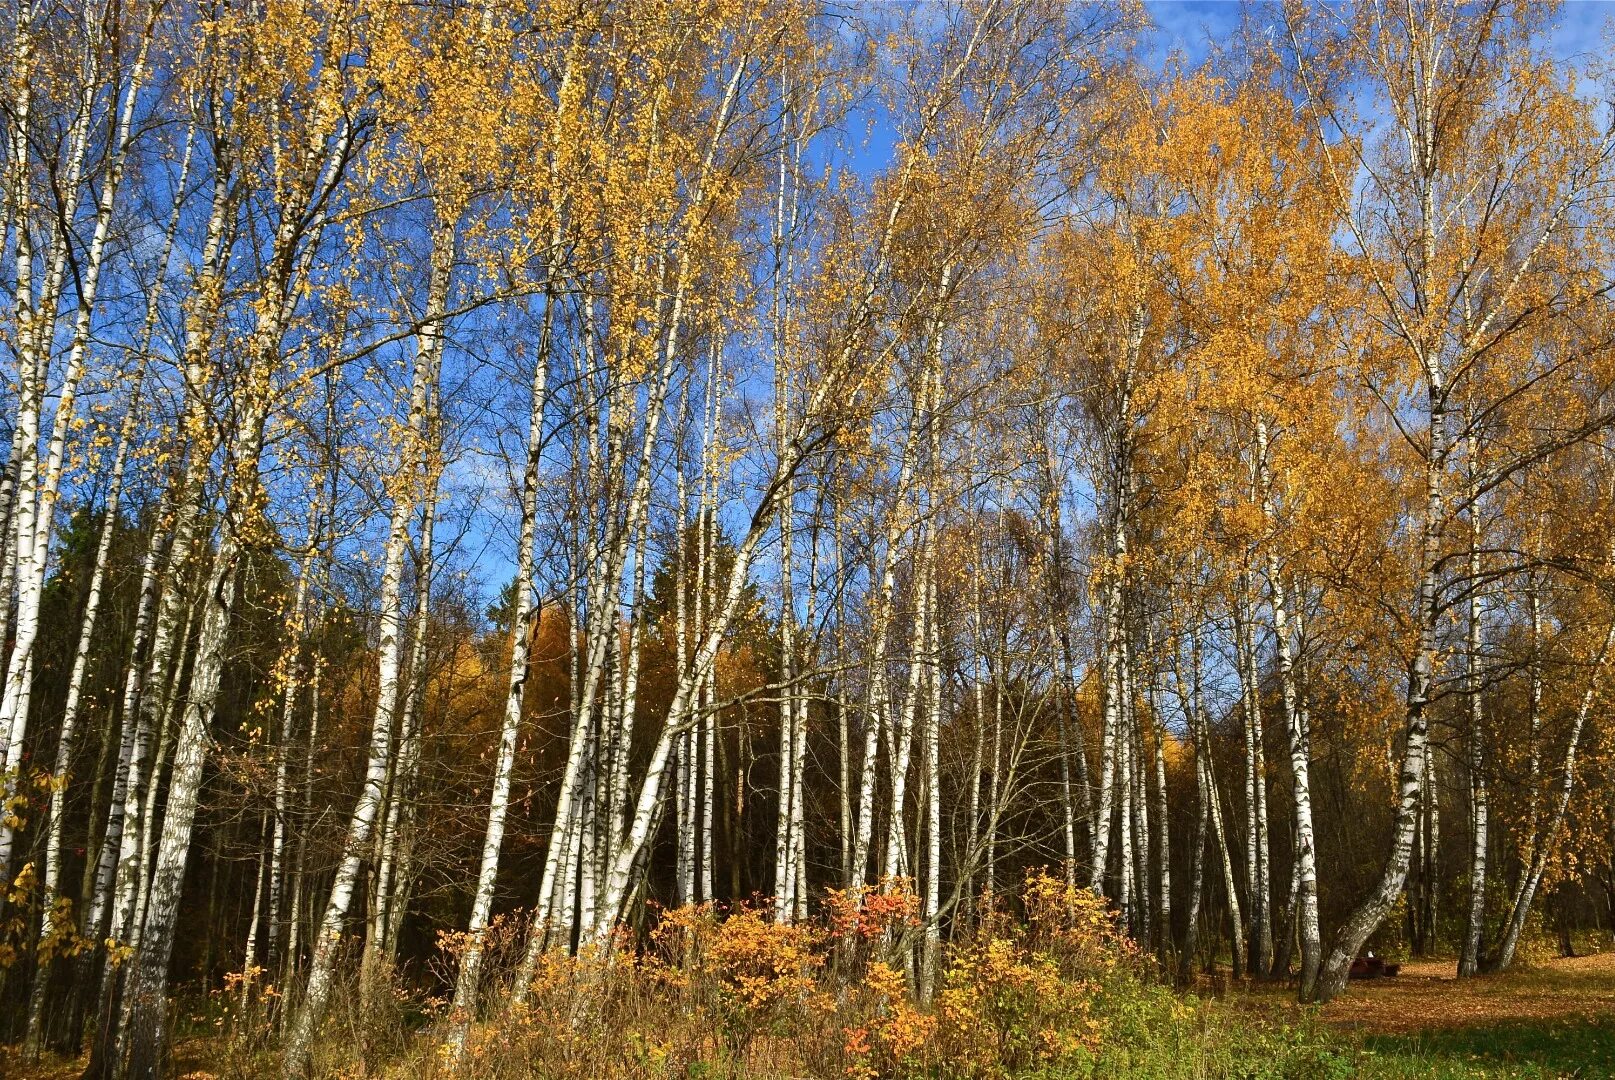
x: 1186, y: 26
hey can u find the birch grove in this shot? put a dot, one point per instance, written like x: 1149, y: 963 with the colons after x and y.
x: 483, y: 478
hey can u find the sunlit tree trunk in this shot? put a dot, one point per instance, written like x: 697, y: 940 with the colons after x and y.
x: 932, y: 735
x: 523, y: 625
x: 149, y: 687
x: 379, y: 755
x: 1469, y: 959
x: 877, y: 707
x: 1202, y: 813
x: 1304, y: 871
x: 34, y: 311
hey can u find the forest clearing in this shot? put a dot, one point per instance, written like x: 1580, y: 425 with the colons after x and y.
x: 955, y: 539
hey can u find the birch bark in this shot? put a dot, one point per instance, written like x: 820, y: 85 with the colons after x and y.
x: 523, y: 626
x: 423, y: 380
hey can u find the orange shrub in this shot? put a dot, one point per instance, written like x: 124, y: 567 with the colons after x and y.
x: 762, y: 965
x: 893, y: 1032
x: 1074, y: 927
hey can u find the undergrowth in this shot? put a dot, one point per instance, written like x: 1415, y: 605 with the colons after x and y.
x: 1048, y: 990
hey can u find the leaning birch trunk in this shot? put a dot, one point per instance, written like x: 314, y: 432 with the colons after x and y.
x: 24, y: 312
x: 127, y: 769
x: 128, y: 872
x: 616, y: 883
x: 1209, y: 778
x: 428, y: 357
x: 170, y: 714
x: 146, y: 1017
x: 608, y: 578
x: 391, y: 880
x: 679, y: 713
x: 606, y: 570
x: 1371, y: 911
x: 621, y: 740
x: 416, y: 470
x: 318, y: 171
x: 522, y: 627
x: 811, y: 432
x: 34, y: 313
x: 52, y: 883
x: 115, y: 865
x: 146, y: 1014
x: 401, y: 825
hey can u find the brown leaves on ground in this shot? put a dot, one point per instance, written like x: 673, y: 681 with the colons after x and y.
x: 1428, y: 996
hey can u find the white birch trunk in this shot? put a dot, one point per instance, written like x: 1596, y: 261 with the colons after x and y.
x: 1305, y: 872
x: 428, y: 357
x: 1470, y: 957
x: 523, y: 627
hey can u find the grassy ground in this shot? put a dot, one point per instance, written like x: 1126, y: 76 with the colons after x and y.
x: 1555, y: 1019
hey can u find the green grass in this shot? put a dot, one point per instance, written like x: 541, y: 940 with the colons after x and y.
x: 1567, y: 1047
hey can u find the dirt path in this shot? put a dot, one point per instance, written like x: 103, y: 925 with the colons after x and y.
x: 1427, y: 996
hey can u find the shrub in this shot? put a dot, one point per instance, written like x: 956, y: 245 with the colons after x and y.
x: 1058, y: 993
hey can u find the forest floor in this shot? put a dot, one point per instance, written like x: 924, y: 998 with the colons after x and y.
x: 1555, y: 1018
